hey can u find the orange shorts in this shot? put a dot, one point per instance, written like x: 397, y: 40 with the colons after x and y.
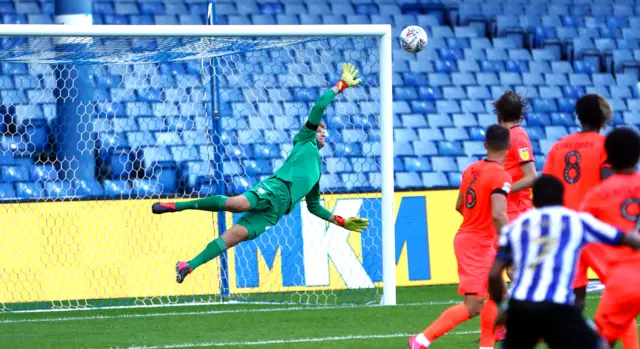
x: 475, y: 258
x: 596, y: 257
x: 620, y: 302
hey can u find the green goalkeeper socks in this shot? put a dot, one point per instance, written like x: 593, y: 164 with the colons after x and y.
x: 213, y: 203
x: 213, y: 250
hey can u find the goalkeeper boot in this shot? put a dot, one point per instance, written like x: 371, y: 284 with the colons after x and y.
x: 182, y: 270
x: 413, y: 344
x: 163, y: 207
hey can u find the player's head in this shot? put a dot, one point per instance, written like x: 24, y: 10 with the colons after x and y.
x: 623, y: 149
x: 593, y: 111
x: 547, y: 191
x: 321, y: 134
x: 497, y: 139
x: 510, y: 107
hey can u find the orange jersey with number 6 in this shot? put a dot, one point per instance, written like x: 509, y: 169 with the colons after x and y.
x: 576, y: 160
x: 479, y: 181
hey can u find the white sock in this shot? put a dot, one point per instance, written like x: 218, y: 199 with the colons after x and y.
x: 422, y: 340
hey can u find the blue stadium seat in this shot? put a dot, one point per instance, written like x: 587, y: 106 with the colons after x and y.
x: 603, y: 79
x: 29, y: 190
x: 464, y: 120
x: 476, y: 134
x: 331, y: 181
x: 439, y: 79
x: 472, y: 106
x: 416, y: 79
x: 429, y: 93
x: 544, y: 106
x: 620, y: 92
x: 439, y: 120
x: 487, y: 79
x: 116, y: 188
x: 412, y: 164
x: 447, y: 107
x: 59, y: 189
x: 44, y: 173
x: 539, y: 67
x: 424, y: 107
x: 566, y: 105
x: 424, y: 148
x: 402, y: 148
x: 516, y: 66
x: 147, y: 187
x: 473, y: 148
x: 562, y: 67
x: 444, y: 66
x: 563, y: 119
x: 408, y: 180
x: 478, y: 92
x: 555, y: 132
x: 404, y: 134
x: 434, y: 179
x: 493, y: 66
x: 548, y: 92
x: 414, y: 120
x: 7, y: 192
x: 455, y: 179
x: 510, y: 78
x: 257, y: 167
x: 443, y: 164
x: 535, y: 133
x: 447, y: 148
x: 601, y: 90
x: 88, y: 188
x: 346, y: 150
x: 468, y: 66
x: 574, y: 92
x: 401, y: 93
x: 556, y: 79
x: 455, y: 134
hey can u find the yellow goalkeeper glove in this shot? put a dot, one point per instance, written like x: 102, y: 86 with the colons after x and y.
x: 348, y: 78
x: 353, y: 223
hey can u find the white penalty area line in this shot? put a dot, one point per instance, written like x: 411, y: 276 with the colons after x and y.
x: 284, y: 341
x: 219, y: 312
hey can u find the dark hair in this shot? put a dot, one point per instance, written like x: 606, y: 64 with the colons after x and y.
x: 593, y: 110
x: 548, y: 191
x: 623, y: 148
x: 497, y: 137
x: 510, y: 107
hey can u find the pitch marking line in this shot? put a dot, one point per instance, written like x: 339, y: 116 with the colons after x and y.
x: 217, y: 312
x: 284, y: 341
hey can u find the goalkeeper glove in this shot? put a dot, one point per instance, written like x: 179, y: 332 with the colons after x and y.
x: 348, y: 78
x: 353, y: 223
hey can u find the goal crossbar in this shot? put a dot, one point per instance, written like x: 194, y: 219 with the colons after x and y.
x: 52, y: 30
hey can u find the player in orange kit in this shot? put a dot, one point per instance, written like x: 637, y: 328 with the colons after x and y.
x: 482, y: 201
x: 510, y: 109
x: 617, y: 201
x: 580, y: 162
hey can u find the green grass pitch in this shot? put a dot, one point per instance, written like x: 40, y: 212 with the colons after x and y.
x: 245, y: 326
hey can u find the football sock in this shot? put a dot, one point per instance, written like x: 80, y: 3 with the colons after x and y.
x: 422, y: 340
x: 449, y: 319
x: 488, y: 317
x: 629, y: 338
x: 213, y: 250
x: 213, y: 203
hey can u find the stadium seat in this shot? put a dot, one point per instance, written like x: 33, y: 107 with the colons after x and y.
x: 424, y: 148
x: 12, y: 174
x: 408, y: 180
x: 434, y: 179
x: 59, y: 189
x: 448, y: 148
x: 26, y: 190
x: 413, y: 164
x: 443, y: 164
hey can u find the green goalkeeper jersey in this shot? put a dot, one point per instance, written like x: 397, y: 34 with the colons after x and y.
x: 303, y: 167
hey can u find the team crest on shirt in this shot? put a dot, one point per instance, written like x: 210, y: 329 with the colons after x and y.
x: 524, y: 153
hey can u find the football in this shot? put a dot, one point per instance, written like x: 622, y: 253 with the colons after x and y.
x: 413, y: 39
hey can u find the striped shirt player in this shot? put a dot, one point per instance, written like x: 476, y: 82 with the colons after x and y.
x: 544, y: 245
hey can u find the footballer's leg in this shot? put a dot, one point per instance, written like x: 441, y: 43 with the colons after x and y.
x: 263, y: 214
x: 215, y: 203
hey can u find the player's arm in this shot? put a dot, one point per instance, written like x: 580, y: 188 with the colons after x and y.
x: 460, y: 202
x: 348, y: 79
x: 499, y: 209
x: 598, y: 231
x: 529, y: 171
x: 314, y: 206
x: 527, y: 164
x: 503, y: 259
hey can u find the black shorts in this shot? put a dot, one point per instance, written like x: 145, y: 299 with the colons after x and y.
x: 561, y: 326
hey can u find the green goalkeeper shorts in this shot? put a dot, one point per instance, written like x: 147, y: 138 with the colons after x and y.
x: 272, y: 198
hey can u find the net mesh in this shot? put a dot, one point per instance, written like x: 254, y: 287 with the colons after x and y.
x: 95, y: 130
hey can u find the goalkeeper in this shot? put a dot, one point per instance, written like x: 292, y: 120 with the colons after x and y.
x: 267, y: 201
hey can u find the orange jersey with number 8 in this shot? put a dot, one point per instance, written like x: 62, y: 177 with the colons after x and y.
x: 576, y: 160
x: 479, y: 181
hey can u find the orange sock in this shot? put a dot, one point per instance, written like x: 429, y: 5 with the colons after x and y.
x: 449, y: 319
x: 488, y: 317
x: 629, y: 338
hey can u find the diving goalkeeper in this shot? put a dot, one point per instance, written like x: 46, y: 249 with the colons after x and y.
x: 267, y: 201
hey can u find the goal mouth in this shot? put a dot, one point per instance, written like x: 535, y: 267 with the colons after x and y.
x: 101, y: 122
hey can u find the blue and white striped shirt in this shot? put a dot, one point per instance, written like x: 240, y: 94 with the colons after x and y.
x: 544, y: 246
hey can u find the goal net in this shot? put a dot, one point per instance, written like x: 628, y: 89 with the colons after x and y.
x: 95, y: 129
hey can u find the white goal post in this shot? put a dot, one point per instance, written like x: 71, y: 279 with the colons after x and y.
x: 383, y: 35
